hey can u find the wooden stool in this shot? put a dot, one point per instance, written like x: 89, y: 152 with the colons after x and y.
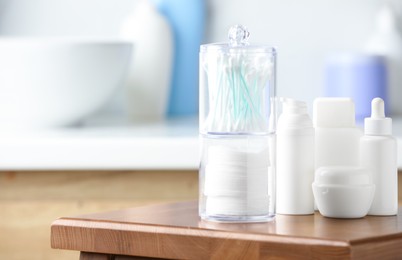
x: 175, y: 231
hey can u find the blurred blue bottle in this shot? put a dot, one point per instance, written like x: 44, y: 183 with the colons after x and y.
x: 359, y: 76
x: 187, y: 19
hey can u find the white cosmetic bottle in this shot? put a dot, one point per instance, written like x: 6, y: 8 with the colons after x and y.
x: 337, y: 138
x: 336, y: 135
x: 379, y: 154
x: 295, y: 160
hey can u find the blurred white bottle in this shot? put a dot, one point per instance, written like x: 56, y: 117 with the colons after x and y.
x: 379, y: 154
x: 386, y: 41
x: 295, y: 160
x: 149, y: 79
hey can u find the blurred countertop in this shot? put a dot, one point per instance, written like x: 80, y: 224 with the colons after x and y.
x: 113, y: 144
x: 105, y: 143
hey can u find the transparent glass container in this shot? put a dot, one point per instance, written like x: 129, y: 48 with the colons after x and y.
x: 237, y: 130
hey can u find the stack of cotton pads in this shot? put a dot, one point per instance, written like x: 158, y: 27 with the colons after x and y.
x: 236, y: 182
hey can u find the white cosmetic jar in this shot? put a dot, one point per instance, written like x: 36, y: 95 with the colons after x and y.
x: 343, y: 192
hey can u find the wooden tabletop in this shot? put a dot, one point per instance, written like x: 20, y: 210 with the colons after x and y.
x: 175, y: 231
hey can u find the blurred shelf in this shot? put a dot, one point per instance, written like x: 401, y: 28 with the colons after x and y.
x: 104, y: 144
x: 113, y: 144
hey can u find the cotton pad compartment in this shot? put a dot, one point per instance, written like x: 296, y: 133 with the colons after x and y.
x: 236, y: 182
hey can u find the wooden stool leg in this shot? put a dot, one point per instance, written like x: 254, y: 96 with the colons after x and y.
x: 95, y: 256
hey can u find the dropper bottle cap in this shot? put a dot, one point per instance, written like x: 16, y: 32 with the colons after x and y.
x: 377, y: 124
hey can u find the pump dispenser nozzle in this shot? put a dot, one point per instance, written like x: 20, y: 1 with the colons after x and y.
x: 293, y: 106
x: 377, y: 124
x: 294, y: 115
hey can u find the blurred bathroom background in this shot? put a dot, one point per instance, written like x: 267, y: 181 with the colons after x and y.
x: 325, y: 47
x: 305, y: 33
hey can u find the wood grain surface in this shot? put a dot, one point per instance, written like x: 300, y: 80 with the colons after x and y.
x: 31, y: 200
x: 175, y: 231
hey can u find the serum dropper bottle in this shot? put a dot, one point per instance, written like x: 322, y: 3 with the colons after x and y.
x: 378, y: 153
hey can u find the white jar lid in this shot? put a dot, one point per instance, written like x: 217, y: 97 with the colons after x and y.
x: 342, y: 175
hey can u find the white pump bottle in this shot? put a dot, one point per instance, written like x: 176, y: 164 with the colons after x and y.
x: 295, y: 160
x: 378, y: 153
